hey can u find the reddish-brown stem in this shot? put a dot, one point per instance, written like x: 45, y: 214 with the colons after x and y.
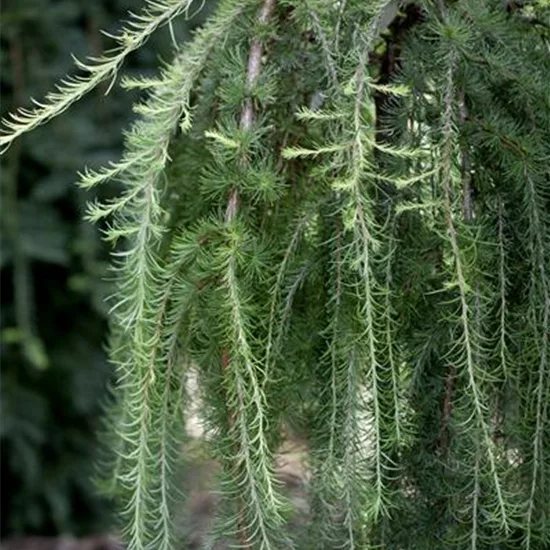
x: 247, y: 114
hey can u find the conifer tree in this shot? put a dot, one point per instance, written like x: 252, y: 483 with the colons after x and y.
x: 337, y: 212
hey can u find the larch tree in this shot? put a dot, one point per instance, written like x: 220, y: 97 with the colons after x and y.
x: 337, y: 213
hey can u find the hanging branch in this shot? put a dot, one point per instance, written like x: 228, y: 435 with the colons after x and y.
x: 539, y: 261
x: 469, y: 334
x: 467, y: 209
x: 132, y: 37
x: 252, y: 451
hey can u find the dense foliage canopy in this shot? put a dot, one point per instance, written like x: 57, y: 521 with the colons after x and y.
x: 336, y: 213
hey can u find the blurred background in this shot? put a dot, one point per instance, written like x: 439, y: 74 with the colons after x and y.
x: 54, y: 372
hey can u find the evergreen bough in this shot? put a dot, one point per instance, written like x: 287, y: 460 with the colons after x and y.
x: 337, y: 213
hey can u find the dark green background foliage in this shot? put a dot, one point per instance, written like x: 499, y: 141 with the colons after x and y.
x: 54, y: 370
x: 54, y: 266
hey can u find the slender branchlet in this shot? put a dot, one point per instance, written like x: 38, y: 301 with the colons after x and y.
x: 539, y: 260
x: 470, y: 337
x: 98, y: 69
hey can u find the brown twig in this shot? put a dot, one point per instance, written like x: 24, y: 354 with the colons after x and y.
x: 247, y: 114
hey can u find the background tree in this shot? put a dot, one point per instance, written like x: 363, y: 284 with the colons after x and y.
x: 337, y: 213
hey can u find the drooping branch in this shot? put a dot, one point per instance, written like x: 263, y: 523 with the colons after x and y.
x: 247, y: 381
x: 98, y: 69
x: 468, y: 328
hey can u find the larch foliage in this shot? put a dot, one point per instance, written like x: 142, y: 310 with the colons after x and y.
x: 337, y: 214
